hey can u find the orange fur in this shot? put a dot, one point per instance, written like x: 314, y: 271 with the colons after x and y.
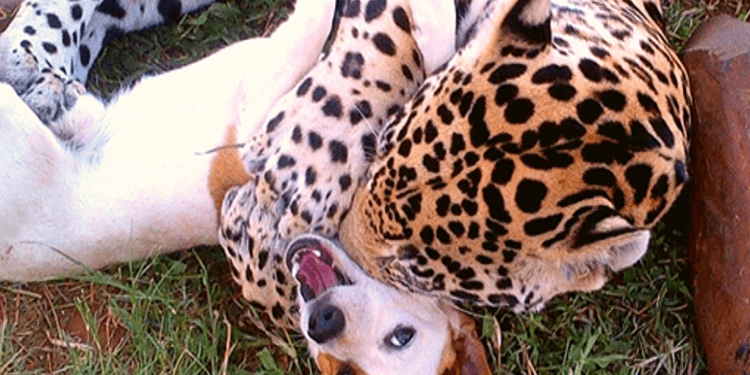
x: 227, y: 170
x: 328, y: 365
x: 465, y: 355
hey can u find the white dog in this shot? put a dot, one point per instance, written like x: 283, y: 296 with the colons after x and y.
x: 133, y: 179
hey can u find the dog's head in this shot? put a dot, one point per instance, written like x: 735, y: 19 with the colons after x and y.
x: 357, y: 325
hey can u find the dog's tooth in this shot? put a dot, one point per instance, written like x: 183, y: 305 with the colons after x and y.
x: 295, y: 269
x: 317, y: 253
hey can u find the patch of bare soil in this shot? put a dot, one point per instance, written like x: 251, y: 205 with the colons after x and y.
x: 44, y: 322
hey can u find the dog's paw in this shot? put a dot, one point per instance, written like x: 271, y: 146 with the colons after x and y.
x: 80, y: 126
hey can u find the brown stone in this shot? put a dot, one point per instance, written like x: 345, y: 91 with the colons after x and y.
x: 717, y: 58
x: 7, y: 10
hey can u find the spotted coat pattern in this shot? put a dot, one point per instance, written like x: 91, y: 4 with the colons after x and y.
x: 50, y: 46
x: 314, y: 149
x: 535, y: 162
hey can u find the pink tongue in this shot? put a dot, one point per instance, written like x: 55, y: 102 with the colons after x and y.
x: 315, y: 273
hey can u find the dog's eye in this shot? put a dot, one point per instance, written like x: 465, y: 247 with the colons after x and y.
x: 400, y: 337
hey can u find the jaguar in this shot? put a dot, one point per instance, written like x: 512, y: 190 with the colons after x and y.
x: 91, y: 183
x: 534, y: 163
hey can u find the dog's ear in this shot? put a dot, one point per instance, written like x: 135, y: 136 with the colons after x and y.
x: 468, y: 356
x: 329, y: 365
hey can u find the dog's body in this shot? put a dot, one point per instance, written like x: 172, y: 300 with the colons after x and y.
x: 133, y: 178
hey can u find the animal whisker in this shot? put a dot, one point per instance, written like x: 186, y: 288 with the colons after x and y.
x: 224, y: 147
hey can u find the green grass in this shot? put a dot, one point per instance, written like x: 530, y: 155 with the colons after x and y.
x: 180, y: 314
x: 682, y: 21
x: 642, y: 322
x: 159, y: 314
x: 176, y: 318
x: 173, y: 45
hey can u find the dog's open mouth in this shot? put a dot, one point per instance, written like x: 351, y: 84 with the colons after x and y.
x: 313, y: 267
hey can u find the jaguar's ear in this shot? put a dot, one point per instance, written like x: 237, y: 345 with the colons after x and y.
x: 515, y: 27
x: 605, y: 243
x: 529, y: 20
x: 622, y: 243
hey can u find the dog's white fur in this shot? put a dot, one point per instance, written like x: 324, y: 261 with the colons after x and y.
x: 137, y: 184
x: 444, y: 340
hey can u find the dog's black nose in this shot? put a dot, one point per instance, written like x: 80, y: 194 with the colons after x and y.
x: 326, y: 322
